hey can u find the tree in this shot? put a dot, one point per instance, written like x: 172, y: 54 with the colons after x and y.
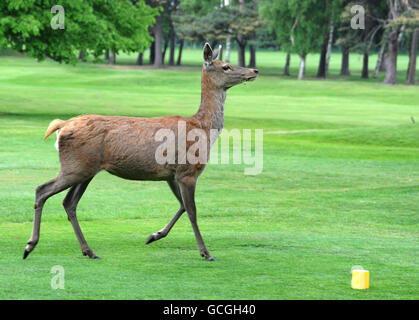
x: 413, y: 57
x: 199, y: 20
x: 409, y: 21
x: 392, y: 39
x: 344, y: 70
x: 297, y: 25
x: 158, y: 37
x: 156, y: 53
x: 215, y: 25
x: 380, y: 65
x: 91, y: 26
x: 238, y: 20
x: 395, y: 26
x: 163, y: 32
x: 244, y: 24
x: 327, y: 14
x: 168, y: 29
x: 123, y: 25
x: 364, y: 39
x: 240, y: 37
x: 182, y: 23
x: 187, y: 24
x: 228, y: 40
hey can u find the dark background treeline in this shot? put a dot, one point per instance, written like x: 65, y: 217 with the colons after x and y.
x: 102, y: 29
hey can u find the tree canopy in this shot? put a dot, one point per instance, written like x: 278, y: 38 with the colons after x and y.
x: 91, y: 25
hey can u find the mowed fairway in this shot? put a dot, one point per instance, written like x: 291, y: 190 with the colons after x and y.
x: 339, y: 187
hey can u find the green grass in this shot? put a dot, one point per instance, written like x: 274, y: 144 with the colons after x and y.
x: 339, y: 187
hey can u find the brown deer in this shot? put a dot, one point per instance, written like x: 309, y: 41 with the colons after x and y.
x: 126, y: 147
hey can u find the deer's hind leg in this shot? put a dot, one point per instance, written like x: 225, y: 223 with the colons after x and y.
x: 164, y: 232
x: 70, y: 203
x: 43, y: 192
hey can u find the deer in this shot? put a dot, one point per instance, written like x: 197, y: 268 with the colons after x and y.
x: 126, y: 147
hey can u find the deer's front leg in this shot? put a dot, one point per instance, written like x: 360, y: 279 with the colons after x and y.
x: 187, y: 188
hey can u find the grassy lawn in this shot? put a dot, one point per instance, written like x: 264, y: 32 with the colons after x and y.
x: 339, y: 187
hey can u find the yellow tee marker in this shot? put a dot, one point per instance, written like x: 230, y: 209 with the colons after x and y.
x: 360, y: 279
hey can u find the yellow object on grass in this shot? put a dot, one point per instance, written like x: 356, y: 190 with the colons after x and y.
x: 360, y: 279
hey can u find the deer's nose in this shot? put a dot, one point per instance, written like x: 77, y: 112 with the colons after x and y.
x: 256, y: 71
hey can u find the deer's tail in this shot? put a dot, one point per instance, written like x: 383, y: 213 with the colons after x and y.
x: 54, y: 126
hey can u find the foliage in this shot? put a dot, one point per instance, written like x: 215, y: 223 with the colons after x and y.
x: 409, y: 19
x: 362, y: 40
x: 245, y: 22
x: 186, y: 26
x: 204, y: 20
x: 199, y: 8
x: 299, y: 25
x: 266, y: 38
x: 92, y: 25
x: 187, y: 18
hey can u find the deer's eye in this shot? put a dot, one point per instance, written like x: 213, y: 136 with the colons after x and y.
x: 226, y: 67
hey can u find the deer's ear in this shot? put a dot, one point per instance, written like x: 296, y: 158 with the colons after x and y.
x: 216, y: 52
x: 207, y: 52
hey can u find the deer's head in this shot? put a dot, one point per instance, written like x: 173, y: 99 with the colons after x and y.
x: 222, y: 75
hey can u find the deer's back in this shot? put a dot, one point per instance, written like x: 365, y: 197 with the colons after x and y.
x: 123, y: 146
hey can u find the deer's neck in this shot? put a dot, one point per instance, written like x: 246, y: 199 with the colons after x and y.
x: 211, y: 109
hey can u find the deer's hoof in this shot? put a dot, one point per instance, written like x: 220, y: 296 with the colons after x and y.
x: 90, y: 253
x: 151, y: 239
x: 26, y: 253
x: 208, y: 257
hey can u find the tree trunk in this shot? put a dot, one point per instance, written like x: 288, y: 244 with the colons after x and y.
x: 228, y: 49
x: 112, y: 57
x: 413, y: 57
x: 158, y: 56
x: 409, y: 51
x: 172, y: 48
x: 287, y: 65
x: 302, y: 66
x: 365, y: 74
x: 240, y: 39
x: 166, y: 44
x: 383, y: 63
x: 241, y: 47
x: 179, y: 57
x: 152, y: 52
x: 252, y: 62
x: 380, y: 60
x: 321, y: 72
x: 140, y: 59
x: 391, y: 59
x: 81, y: 56
x: 220, y: 54
x: 107, y: 55
x: 329, y: 47
x: 344, y: 71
